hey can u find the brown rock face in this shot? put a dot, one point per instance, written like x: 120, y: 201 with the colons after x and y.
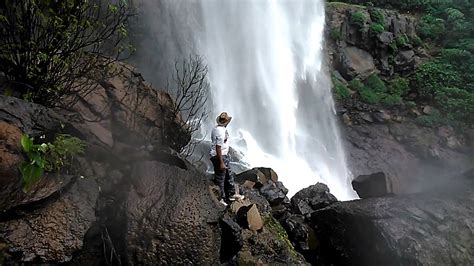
x: 124, y: 108
x: 172, y: 217
x: 55, y: 231
x: 10, y: 153
x: 12, y: 194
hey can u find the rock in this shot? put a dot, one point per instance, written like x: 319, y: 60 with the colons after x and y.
x: 425, y: 229
x: 355, y: 63
x: 51, y: 232
x: 301, y: 235
x: 12, y: 194
x: 171, y: 217
x: 373, y: 185
x: 427, y: 110
x: 258, y: 175
x: 405, y: 61
x: 123, y: 108
x: 254, y: 175
x: 249, y: 217
x: 274, y: 193
x: 231, y: 239
x: 453, y: 143
x: 254, y: 196
x: 385, y: 38
x: 366, y: 117
x: 32, y: 119
x: 346, y: 119
x: 312, y: 198
x: 382, y: 116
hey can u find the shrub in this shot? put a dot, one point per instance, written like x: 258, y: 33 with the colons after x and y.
x: 390, y: 99
x: 47, y: 46
x: 49, y: 157
x: 356, y: 85
x: 431, y: 120
x: 399, y: 86
x: 341, y: 90
x: 401, y: 40
x: 376, y: 28
x: 358, y: 18
x: 375, y: 84
x: 377, y: 16
x: 432, y: 76
x: 457, y: 103
x: 369, y: 96
x: 431, y: 27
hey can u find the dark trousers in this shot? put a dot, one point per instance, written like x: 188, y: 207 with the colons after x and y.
x: 224, y: 179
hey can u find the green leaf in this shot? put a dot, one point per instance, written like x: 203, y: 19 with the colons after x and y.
x: 26, y: 143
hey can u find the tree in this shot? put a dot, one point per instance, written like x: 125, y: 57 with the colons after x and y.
x: 190, y: 90
x: 46, y: 46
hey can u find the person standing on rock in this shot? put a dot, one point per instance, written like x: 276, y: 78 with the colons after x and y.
x: 220, y: 160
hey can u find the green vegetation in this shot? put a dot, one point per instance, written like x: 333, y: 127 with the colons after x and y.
x: 275, y: 227
x: 377, y: 16
x: 431, y: 120
x: 401, y: 40
x: 431, y: 27
x: 376, y: 28
x: 341, y: 90
x: 375, y: 91
x: 48, y: 47
x: 47, y: 157
x: 359, y: 19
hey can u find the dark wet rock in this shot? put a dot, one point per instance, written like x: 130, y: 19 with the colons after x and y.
x: 255, y: 197
x: 259, y: 175
x: 269, y: 246
x: 231, y: 239
x: 405, y: 61
x: 312, y: 198
x: 373, y: 185
x: 32, y: 119
x: 385, y: 38
x: 171, y: 217
x: 301, y: 235
x: 275, y: 193
x: 52, y: 231
x: 425, y: 229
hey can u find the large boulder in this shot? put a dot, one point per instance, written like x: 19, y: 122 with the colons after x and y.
x: 171, y: 217
x: 373, y: 185
x: 353, y: 62
x: 50, y: 231
x: 436, y: 228
x: 312, y: 198
x: 124, y: 108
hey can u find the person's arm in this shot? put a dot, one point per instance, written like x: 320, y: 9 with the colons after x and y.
x: 219, y: 157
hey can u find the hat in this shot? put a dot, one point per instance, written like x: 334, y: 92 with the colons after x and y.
x: 223, y: 119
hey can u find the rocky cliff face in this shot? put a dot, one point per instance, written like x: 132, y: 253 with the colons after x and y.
x: 387, y: 138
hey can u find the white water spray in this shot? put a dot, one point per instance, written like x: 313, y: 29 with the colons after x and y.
x: 265, y: 61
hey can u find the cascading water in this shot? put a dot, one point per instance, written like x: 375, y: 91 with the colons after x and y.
x: 265, y: 69
x: 264, y: 59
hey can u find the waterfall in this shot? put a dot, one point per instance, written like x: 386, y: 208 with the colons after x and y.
x: 265, y: 69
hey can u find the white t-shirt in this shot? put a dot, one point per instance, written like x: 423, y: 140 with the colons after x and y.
x: 219, y: 136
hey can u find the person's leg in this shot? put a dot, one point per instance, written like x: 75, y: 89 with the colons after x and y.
x: 229, y: 178
x: 219, y: 177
